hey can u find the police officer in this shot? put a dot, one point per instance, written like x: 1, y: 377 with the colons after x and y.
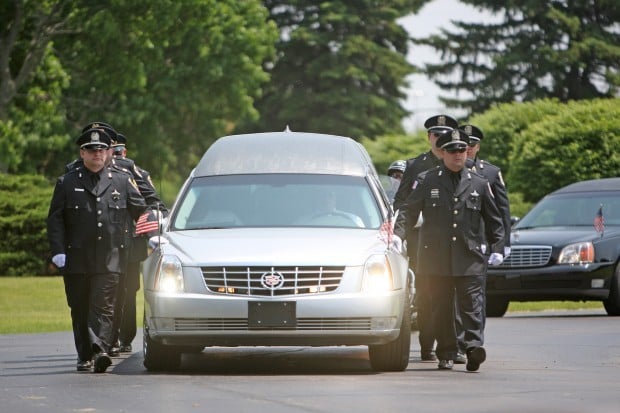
x: 435, y: 126
x: 125, y: 310
x: 86, y: 232
x: 395, y: 173
x: 494, y: 175
x: 457, y: 208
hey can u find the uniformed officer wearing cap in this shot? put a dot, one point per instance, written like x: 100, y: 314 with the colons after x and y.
x: 494, y: 175
x: 435, y: 126
x: 395, y: 173
x: 86, y: 230
x: 457, y: 208
x: 125, y: 327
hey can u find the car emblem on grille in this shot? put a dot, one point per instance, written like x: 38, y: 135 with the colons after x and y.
x: 272, y: 280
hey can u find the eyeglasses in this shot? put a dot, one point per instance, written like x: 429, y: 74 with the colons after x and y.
x: 455, y: 150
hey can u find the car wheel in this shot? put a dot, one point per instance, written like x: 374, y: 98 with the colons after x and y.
x: 612, y: 303
x: 393, y: 356
x: 157, y: 356
x: 496, y: 306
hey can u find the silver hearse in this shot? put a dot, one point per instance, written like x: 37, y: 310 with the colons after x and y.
x: 278, y: 239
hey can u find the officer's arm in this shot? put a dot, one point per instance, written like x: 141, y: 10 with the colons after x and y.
x: 55, y: 220
x: 503, y: 204
x: 136, y: 205
x: 494, y: 226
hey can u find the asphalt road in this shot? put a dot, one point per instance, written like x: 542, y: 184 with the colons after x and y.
x: 566, y: 362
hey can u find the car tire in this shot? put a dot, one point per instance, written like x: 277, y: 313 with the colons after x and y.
x: 496, y: 306
x: 612, y: 303
x: 157, y: 356
x: 393, y: 356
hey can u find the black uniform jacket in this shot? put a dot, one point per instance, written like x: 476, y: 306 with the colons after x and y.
x: 452, y: 236
x: 89, y: 224
x: 494, y: 175
x: 415, y: 166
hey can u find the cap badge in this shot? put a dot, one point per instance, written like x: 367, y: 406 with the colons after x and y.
x: 456, y: 136
x: 468, y: 129
x: 441, y: 120
x: 94, y: 137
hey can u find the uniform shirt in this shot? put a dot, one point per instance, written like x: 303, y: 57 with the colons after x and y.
x: 494, y: 175
x: 89, y: 224
x: 452, y: 235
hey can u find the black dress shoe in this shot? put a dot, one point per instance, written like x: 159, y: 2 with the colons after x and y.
x: 428, y: 356
x: 114, y: 351
x: 125, y: 348
x: 84, y: 365
x: 102, y: 362
x: 475, y: 357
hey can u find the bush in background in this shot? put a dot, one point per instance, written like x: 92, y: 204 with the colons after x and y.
x: 24, y: 202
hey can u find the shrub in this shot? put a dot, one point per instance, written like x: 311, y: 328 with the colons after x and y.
x: 24, y: 202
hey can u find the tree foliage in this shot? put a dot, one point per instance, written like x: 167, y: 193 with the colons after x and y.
x: 538, y: 49
x: 172, y: 76
x: 23, y: 245
x: 579, y: 141
x: 340, y: 68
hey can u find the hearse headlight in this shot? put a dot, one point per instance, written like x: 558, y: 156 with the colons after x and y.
x: 169, y: 275
x: 377, y: 274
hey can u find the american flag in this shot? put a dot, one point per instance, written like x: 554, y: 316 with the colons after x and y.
x: 599, y: 221
x: 147, y: 223
x: 386, y: 232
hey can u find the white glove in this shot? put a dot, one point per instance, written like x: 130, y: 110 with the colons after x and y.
x: 156, y: 241
x: 506, y: 252
x: 496, y: 258
x: 397, y: 244
x: 59, y: 260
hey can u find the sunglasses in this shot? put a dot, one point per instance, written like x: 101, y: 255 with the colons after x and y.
x: 455, y: 150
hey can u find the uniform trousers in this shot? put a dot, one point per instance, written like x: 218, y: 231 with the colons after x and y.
x: 468, y: 293
x: 423, y: 303
x: 125, y: 309
x: 91, y: 298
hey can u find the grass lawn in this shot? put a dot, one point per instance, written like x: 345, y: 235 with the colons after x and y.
x: 38, y: 305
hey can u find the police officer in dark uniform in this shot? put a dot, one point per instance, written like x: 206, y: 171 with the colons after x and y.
x: 493, y: 174
x: 435, y: 126
x: 125, y: 311
x: 395, y: 173
x: 457, y: 208
x: 86, y: 232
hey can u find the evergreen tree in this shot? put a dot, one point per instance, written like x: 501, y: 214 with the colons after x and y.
x: 539, y: 49
x: 341, y: 67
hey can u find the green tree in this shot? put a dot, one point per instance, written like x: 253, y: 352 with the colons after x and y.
x: 341, y: 67
x: 538, y: 49
x: 172, y: 76
x: 32, y: 80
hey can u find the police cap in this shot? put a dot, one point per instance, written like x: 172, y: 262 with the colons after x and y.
x: 453, y: 139
x: 398, y: 165
x: 94, y: 139
x: 440, y: 123
x: 475, y: 134
x: 102, y: 125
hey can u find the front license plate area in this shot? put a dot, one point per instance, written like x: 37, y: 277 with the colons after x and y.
x: 270, y: 315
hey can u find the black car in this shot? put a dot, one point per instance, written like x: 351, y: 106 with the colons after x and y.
x: 567, y: 247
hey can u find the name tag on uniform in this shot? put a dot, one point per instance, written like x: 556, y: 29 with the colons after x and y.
x: 79, y: 189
